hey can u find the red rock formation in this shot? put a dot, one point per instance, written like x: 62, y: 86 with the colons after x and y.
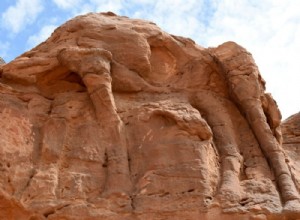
x: 112, y: 118
x: 291, y: 145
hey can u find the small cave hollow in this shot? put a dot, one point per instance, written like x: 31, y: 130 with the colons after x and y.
x: 60, y: 80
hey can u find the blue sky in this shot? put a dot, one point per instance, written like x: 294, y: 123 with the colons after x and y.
x: 269, y: 29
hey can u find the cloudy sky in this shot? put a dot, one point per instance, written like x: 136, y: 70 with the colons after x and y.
x: 269, y: 29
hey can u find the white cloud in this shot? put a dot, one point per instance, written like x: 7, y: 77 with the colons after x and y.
x: 177, y: 17
x: 4, y: 46
x: 77, y: 7
x: 43, y: 34
x: 108, y: 5
x: 24, y: 12
x: 67, y: 4
x: 270, y: 30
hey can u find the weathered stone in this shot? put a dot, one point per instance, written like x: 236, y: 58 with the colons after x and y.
x: 112, y: 118
x: 291, y: 144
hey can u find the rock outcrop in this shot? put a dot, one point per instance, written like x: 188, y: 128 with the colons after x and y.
x: 112, y: 118
x: 291, y: 145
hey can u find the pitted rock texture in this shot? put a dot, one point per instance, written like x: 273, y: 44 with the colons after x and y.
x: 112, y: 118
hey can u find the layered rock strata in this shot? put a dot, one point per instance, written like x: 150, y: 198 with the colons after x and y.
x: 112, y: 118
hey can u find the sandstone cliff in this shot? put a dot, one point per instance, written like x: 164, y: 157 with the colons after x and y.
x: 112, y: 118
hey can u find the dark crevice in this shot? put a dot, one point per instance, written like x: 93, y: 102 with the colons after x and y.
x: 208, y: 198
x: 129, y: 163
x: 27, y: 184
x: 244, y: 201
x: 105, y: 163
x: 30, y: 178
x: 74, y: 78
x: 164, y: 194
x: 132, y: 203
x: 52, y: 211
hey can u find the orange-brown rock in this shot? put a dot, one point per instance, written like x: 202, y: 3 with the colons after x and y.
x: 291, y: 144
x: 112, y: 118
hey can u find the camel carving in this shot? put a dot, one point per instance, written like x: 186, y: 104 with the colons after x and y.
x: 127, y: 118
x: 93, y: 66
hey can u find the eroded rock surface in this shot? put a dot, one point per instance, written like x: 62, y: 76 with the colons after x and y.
x: 112, y: 118
x: 291, y: 145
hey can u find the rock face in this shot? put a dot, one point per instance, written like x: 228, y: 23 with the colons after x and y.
x: 291, y: 145
x: 112, y: 118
